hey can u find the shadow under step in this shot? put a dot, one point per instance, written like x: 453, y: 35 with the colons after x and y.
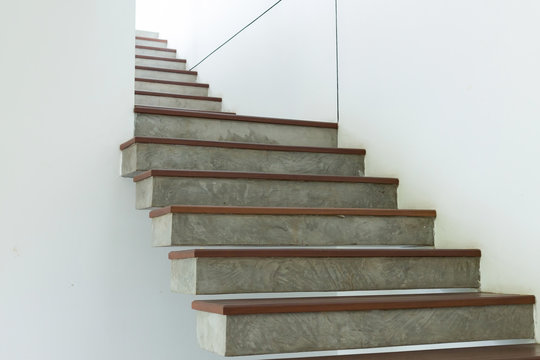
x: 158, y: 188
x: 269, y: 326
x: 160, y: 62
x: 252, y: 226
x: 155, y: 51
x: 227, y: 271
x: 144, y: 153
x: 175, y: 123
x: 172, y: 87
x: 203, y: 103
x: 506, y: 352
x: 149, y: 72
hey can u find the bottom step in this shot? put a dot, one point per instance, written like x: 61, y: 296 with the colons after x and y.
x: 270, y: 326
x: 509, y: 352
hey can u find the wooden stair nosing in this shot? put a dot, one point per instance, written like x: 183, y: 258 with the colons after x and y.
x: 357, y: 303
x: 152, y: 68
x: 501, y: 352
x: 150, y: 39
x: 240, y: 145
x: 248, y: 210
x: 321, y: 253
x: 178, y: 96
x: 168, y: 82
x: 229, y: 116
x: 154, y: 48
x: 264, y: 176
x: 148, y: 57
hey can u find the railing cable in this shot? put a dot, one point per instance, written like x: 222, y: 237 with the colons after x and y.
x: 238, y: 32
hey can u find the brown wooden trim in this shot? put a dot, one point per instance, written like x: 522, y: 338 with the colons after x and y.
x: 357, y: 303
x: 505, y: 352
x: 247, y: 210
x: 150, y: 39
x: 320, y: 253
x: 154, y: 48
x: 239, y: 145
x: 151, y: 68
x: 177, y: 96
x: 264, y: 176
x: 223, y: 116
x: 181, y: 83
x: 148, y: 57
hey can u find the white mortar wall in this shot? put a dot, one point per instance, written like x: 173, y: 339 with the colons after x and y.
x: 78, y: 276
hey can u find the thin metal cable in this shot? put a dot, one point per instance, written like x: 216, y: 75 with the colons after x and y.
x: 337, y: 61
x: 238, y: 32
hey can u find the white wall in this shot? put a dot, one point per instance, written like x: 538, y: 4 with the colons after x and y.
x: 78, y: 277
x: 442, y: 94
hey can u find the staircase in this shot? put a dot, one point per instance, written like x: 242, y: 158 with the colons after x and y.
x: 273, y: 206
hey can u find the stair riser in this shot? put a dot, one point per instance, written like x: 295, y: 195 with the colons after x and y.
x: 148, y: 34
x: 264, y: 275
x: 158, y: 53
x: 159, y: 44
x: 162, y: 75
x: 163, y: 64
x: 180, y: 103
x: 290, y: 230
x: 314, y: 331
x: 171, y: 89
x: 142, y: 157
x: 226, y: 130
x: 164, y: 191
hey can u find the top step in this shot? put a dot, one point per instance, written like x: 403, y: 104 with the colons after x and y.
x: 148, y: 34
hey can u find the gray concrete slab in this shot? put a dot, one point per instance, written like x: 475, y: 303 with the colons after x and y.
x: 173, y: 65
x: 158, y: 53
x: 163, y: 75
x: 171, y: 88
x: 174, y: 102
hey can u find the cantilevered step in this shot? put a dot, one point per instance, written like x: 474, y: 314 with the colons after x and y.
x: 256, y: 226
x: 160, y: 62
x: 149, y: 72
x: 203, y: 103
x: 507, y: 352
x: 173, y: 123
x: 148, y: 34
x: 158, y: 188
x: 149, y: 41
x: 173, y: 87
x: 264, y: 326
x: 144, y: 153
x: 229, y: 271
x: 155, y: 51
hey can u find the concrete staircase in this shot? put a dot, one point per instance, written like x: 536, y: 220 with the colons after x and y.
x: 270, y: 200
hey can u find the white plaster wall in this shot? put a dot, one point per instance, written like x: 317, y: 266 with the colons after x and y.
x: 78, y: 277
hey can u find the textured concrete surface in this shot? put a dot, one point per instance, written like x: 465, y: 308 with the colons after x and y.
x: 164, y: 191
x: 161, y: 156
x: 174, y: 65
x: 302, y: 274
x: 173, y: 102
x: 171, y: 89
x: 294, y: 230
x: 294, y: 332
x: 151, y: 43
x: 148, y: 34
x: 162, y: 75
x: 166, y: 54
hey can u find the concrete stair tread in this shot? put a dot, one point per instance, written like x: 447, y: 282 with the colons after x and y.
x: 150, y: 39
x: 151, y: 68
x: 357, y: 303
x: 178, y: 96
x: 148, y: 57
x: 154, y: 110
x: 264, y: 176
x: 155, y: 48
x: 503, y: 352
x: 251, y: 210
x: 239, y: 145
x: 321, y: 253
x: 169, y: 82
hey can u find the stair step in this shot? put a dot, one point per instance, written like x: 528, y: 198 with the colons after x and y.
x: 147, y: 34
x: 268, y: 326
x: 146, y: 41
x: 160, y: 62
x: 149, y: 72
x: 152, y: 98
x: 155, y: 51
x: 252, y: 226
x: 172, y: 87
x: 157, y: 188
x: 145, y: 153
x: 160, y: 122
x: 507, y: 352
x: 307, y: 270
